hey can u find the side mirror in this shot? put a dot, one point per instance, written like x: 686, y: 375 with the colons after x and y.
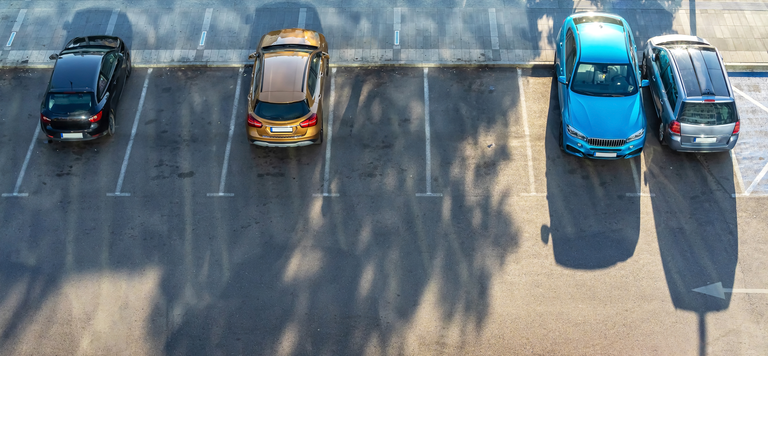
x: 561, y: 80
x: 326, y: 56
x: 644, y: 83
x: 654, y: 57
x: 53, y: 57
x: 253, y: 56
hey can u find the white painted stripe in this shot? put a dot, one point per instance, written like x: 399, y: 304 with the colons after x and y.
x: 757, y: 180
x: 758, y: 104
x: 494, y: 28
x: 10, y: 39
x: 231, y: 133
x: 206, y: 25
x: 329, y: 134
x: 428, y: 139
x: 302, y: 17
x: 112, y: 22
x: 397, y: 37
x: 737, y: 172
x: 19, y: 20
x: 397, y: 19
x: 207, y: 19
x: 118, y: 189
x: 638, y: 176
x: 524, y: 112
x: 427, y: 132
x: 25, y: 164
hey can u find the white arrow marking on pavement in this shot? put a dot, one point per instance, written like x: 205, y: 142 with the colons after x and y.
x: 717, y: 290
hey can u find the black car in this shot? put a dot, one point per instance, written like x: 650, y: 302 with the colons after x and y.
x: 85, y: 88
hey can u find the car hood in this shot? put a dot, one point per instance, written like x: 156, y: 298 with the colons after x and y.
x: 606, y: 117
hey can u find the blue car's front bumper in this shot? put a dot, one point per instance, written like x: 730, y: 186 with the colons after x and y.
x: 577, y: 147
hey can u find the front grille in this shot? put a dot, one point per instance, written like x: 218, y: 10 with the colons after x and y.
x: 599, y: 142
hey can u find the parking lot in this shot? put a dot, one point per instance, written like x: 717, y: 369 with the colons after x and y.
x: 467, y: 233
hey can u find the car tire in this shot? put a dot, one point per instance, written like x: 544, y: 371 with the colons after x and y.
x: 560, y: 142
x: 111, y: 127
x: 130, y: 66
x: 661, y: 133
x: 643, y: 70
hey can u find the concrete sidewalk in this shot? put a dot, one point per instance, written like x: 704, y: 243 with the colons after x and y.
x: 165, y: 33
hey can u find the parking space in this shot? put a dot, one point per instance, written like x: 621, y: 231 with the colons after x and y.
x: 752, y: 149
x: 259, y: 263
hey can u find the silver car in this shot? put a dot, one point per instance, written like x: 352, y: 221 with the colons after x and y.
x: 691, y: 93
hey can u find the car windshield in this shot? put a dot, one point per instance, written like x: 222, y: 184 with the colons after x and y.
x: 601, y: 79
x: 707, y: 113
x: 69, y: 103
x: 281, y: 111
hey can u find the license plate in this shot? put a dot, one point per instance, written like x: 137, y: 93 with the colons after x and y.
x: 72, y: 135
x: 281, y: 129
x: 702, y: 140
x: 601, y: 154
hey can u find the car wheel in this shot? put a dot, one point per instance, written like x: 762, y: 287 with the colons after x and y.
x: 661, y: 133
x: 561, y: 144
x: 130, y: 67
x: 111, y: 129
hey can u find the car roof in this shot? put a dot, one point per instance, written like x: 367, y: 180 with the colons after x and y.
x: 700, y: 71
x: 602, y: 42
x: 283, y: 74
x: 76, y: 72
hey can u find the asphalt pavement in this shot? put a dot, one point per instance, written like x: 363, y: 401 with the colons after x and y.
x: 438, y: 217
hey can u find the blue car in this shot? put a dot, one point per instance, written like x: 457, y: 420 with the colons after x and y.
x: 599, y: 82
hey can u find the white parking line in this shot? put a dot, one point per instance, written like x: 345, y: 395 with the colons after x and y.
x: 762, y: 173
x: 24, y: 166
x: 638, y: 177
x: 118, y: 189
x: 302, y: 17
x: 494, y: 28
x: 737, y: 172
x: 229, y: 139
x: 329, y: 135
x: 758, y: 104
x: 396, y: 27
x: 426, y: 130
x: 757, y: 180
x: 206, y: 25
x: 112, y: 22
x: 16, y: 27
x: 526, y: 131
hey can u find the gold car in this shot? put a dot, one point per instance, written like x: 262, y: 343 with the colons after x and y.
x: 285, y: 102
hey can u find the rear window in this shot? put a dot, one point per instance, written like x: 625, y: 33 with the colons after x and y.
x: 281, y: 112
x: 69, y: 103
x: 707, y: 113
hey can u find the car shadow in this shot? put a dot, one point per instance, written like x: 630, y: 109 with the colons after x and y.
x: 594, y: 219
x: 696, y: 223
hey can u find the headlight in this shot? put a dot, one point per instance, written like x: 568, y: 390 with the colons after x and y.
x: 636, y: 136
x: 574, y: 133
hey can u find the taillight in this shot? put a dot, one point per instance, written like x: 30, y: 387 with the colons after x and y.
x: 736, y: 128
x: 674, y: 128
x: 253, y: 122
x: 311, y: 121
x: 45, y: 119
x: 95, y: 118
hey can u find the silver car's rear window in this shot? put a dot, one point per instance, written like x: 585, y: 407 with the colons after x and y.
x: 708, y: 113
